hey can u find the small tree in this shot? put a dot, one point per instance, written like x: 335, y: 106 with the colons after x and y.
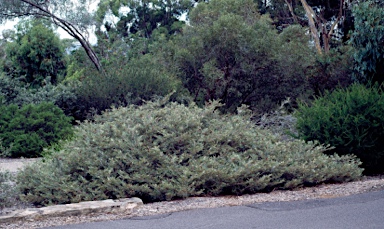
x: 73, y: 16
x: 231, y: 53
x: 35, y: 54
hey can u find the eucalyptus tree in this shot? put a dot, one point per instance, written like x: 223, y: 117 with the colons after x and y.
x: 368, y: 40
x: 73, y: 16
x: 143, y: 16
x: 326, y: 19
x: 137, y: 23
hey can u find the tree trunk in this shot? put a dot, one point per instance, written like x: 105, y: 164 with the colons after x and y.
x: 69, y: 28
x: 289, y: 4
x: 312, y: 26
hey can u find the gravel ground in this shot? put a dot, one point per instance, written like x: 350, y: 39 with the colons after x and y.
x: 13, y: 165
x: 366, y: 184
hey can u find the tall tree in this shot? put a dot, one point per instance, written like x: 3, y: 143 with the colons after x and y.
x: 71, y: 15
x: 326, y: 19
x: 142, y: 16
x: 323, y: 24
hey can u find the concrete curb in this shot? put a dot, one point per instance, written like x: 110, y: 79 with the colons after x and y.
x: 126, y: 205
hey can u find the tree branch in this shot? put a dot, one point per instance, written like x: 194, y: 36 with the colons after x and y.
x: 311, y: 22
x: 289, y: 4
x: 66, y: 25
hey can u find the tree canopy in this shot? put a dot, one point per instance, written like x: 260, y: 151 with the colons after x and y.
x: 143, y: 16
x: 232, y: 53
x: 368, y: 40
x: 34, y: 54
x: 72, y: 16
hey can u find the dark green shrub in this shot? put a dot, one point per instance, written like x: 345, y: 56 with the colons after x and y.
x: 29, y: 129
x: 35, y: 54
x: 167, y: 151
x: 14, y: 92
x: 349, y: 119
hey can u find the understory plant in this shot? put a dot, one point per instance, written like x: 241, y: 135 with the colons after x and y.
x: 351, y: 120
x: 164, y: 151
x: 26, y: 131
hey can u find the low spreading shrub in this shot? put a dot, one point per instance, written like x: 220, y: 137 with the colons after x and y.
x: 349, y: 119
x: 167, y: 151
x: 7, y: 192
x: 27, y: 130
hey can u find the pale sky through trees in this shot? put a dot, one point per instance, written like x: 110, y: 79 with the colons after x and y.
x: 92, y: 38
x: 10, y: 24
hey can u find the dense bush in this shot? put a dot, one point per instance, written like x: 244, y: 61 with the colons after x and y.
x: 349, y: 119
x: 166, y: 151
x: 35, y: 53
x: 231, y: 53
x: 13, y: 91
x: 27, y: 130
x: 125, y: 82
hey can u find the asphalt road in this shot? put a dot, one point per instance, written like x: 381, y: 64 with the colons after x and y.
x: 358, y: 211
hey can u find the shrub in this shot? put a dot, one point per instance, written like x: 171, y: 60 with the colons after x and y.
x: 279, y: 121
x: 349, y: 119
x: 4, y: 152
x: 229, y: 52
x: 7, y: 192
x: 168, y: 151
x: 126, y: 82
x: 14, y: 92
x: 27, y: 130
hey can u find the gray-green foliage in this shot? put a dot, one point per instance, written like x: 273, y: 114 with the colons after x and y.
x: 162, y: 151
x: 127, y: 81
x: 368, y: 40
x: 279, y: 121
x: 7, y: 191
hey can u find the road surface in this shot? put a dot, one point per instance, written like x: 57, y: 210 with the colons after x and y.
x: 357, y: 211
